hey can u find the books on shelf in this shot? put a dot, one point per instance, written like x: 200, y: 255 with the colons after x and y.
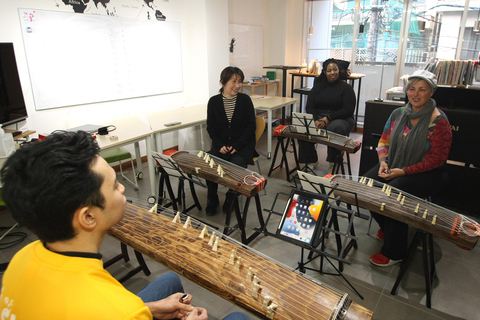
x: 453, y: 72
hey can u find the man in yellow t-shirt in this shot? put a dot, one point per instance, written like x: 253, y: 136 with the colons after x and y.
x: 69, y: 197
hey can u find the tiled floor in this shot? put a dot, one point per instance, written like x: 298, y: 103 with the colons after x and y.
x: 456, y: 288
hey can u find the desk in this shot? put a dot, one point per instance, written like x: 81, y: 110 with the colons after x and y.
x: 270, y: 103
x: 131, y: 130
x: 351, y: 78
x: 188, y: 116
x: 24, y: 134
x: 265, y: 86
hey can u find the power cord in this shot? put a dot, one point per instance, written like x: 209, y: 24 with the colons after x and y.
x: 19, y: 237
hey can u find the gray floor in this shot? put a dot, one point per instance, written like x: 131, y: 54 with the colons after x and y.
x: 456, y: 288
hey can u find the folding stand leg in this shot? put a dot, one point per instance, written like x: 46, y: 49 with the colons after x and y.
x: 242, y: 219
x: 194, y: 194
x: 426, y: 240
x: 124, y: 255
x: 165, y: 179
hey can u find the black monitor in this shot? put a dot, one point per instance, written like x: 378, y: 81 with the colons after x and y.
x: 12, y: 104
x: 302, y: 218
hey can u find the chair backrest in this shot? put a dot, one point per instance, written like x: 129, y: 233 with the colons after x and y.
x: 260, y: 122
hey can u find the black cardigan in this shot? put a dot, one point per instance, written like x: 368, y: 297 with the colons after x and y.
x: 240, y: 134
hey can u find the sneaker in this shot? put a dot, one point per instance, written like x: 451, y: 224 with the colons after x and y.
x: 381, y: 261
x: 380, y: 235
x: 211, y: 209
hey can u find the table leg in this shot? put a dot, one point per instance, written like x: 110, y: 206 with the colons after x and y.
x: 202, y: 142
x: 358, y: 103
x: 138, y: 156
x: 151, y: 168
x: 159, y: 142
x: 269, y: 133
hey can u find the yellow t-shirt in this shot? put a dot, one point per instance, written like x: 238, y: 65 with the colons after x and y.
x: 41, y: 284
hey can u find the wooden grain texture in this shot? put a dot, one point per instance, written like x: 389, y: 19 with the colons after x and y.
x: 372, y: 198
x: 233, y: 178
x: 182, y: 250
x: 336, y: 141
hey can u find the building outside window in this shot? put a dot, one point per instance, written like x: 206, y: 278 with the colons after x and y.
x: 388, y: 39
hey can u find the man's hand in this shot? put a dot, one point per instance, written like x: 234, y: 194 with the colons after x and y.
x: 172, y: 307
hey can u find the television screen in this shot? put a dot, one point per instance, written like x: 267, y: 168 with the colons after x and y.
x: 12, y: 104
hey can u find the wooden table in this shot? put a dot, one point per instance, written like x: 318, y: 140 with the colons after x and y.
x: 131, y: 130
x: 270, y: 103
x: 187, y: 116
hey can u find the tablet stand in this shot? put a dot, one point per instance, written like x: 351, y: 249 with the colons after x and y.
x: 319, y: 248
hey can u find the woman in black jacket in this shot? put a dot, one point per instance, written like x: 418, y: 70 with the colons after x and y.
x: 332, y: 103
x: 231, y: 126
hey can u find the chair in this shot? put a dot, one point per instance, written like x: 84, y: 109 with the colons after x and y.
x: 260, y: 123
x: 117, y: 155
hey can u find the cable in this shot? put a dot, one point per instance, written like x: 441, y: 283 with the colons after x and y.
x: 8, y: 244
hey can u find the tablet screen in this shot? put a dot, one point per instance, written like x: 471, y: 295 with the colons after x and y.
x: 301, y: 217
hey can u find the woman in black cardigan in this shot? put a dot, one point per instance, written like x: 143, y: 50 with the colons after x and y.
x: 231, y: 126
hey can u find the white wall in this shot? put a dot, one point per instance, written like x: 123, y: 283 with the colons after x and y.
x: 283, y: 24
x: 191, y: 16
x: 204, y: 32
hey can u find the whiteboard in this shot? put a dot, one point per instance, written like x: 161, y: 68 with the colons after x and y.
x: 77, y: 58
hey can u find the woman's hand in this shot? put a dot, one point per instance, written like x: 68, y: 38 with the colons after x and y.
x: 322, y: 123
x: 225, y: 149
x: 172, y: 307
x: 384, y: 169
x: 392, y: 174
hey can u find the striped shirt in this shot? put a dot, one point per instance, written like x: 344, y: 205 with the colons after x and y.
x: 229, y: 105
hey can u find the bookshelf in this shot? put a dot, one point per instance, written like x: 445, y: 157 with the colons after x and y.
x: 453, y: 72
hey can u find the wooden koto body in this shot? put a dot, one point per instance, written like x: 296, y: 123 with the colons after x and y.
x: 234, y: 177
x: 232, y: 271
x: 401, y: 206
x: 330, y: 139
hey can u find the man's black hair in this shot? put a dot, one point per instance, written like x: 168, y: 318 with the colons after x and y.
x: 45, y: 182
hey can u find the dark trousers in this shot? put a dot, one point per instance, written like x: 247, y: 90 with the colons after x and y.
x: 421, y: 185
x: 307, y: 152
x: 212, y: 187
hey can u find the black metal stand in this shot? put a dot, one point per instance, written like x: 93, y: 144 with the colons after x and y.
x: 242, y: 219
x: 142, y: 265
x: 318, y: 249
x: 283, y: 143
x: 425, y: 239
x: 164, y: 163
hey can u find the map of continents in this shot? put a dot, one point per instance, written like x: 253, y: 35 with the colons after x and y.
x: 137, y: 8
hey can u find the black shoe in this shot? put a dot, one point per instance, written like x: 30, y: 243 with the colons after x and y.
x: 211, y: 209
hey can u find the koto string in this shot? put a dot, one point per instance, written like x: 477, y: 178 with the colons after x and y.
x: 168, y: 230
x: 408, y: 207
x: 445, y: 219
x: 253, y: 253
x: 243, y: 254
x: 199, y: 271
x: 235, y: 175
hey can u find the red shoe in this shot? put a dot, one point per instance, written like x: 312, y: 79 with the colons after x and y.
x: 380, y: 235
x: 381, y: 261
